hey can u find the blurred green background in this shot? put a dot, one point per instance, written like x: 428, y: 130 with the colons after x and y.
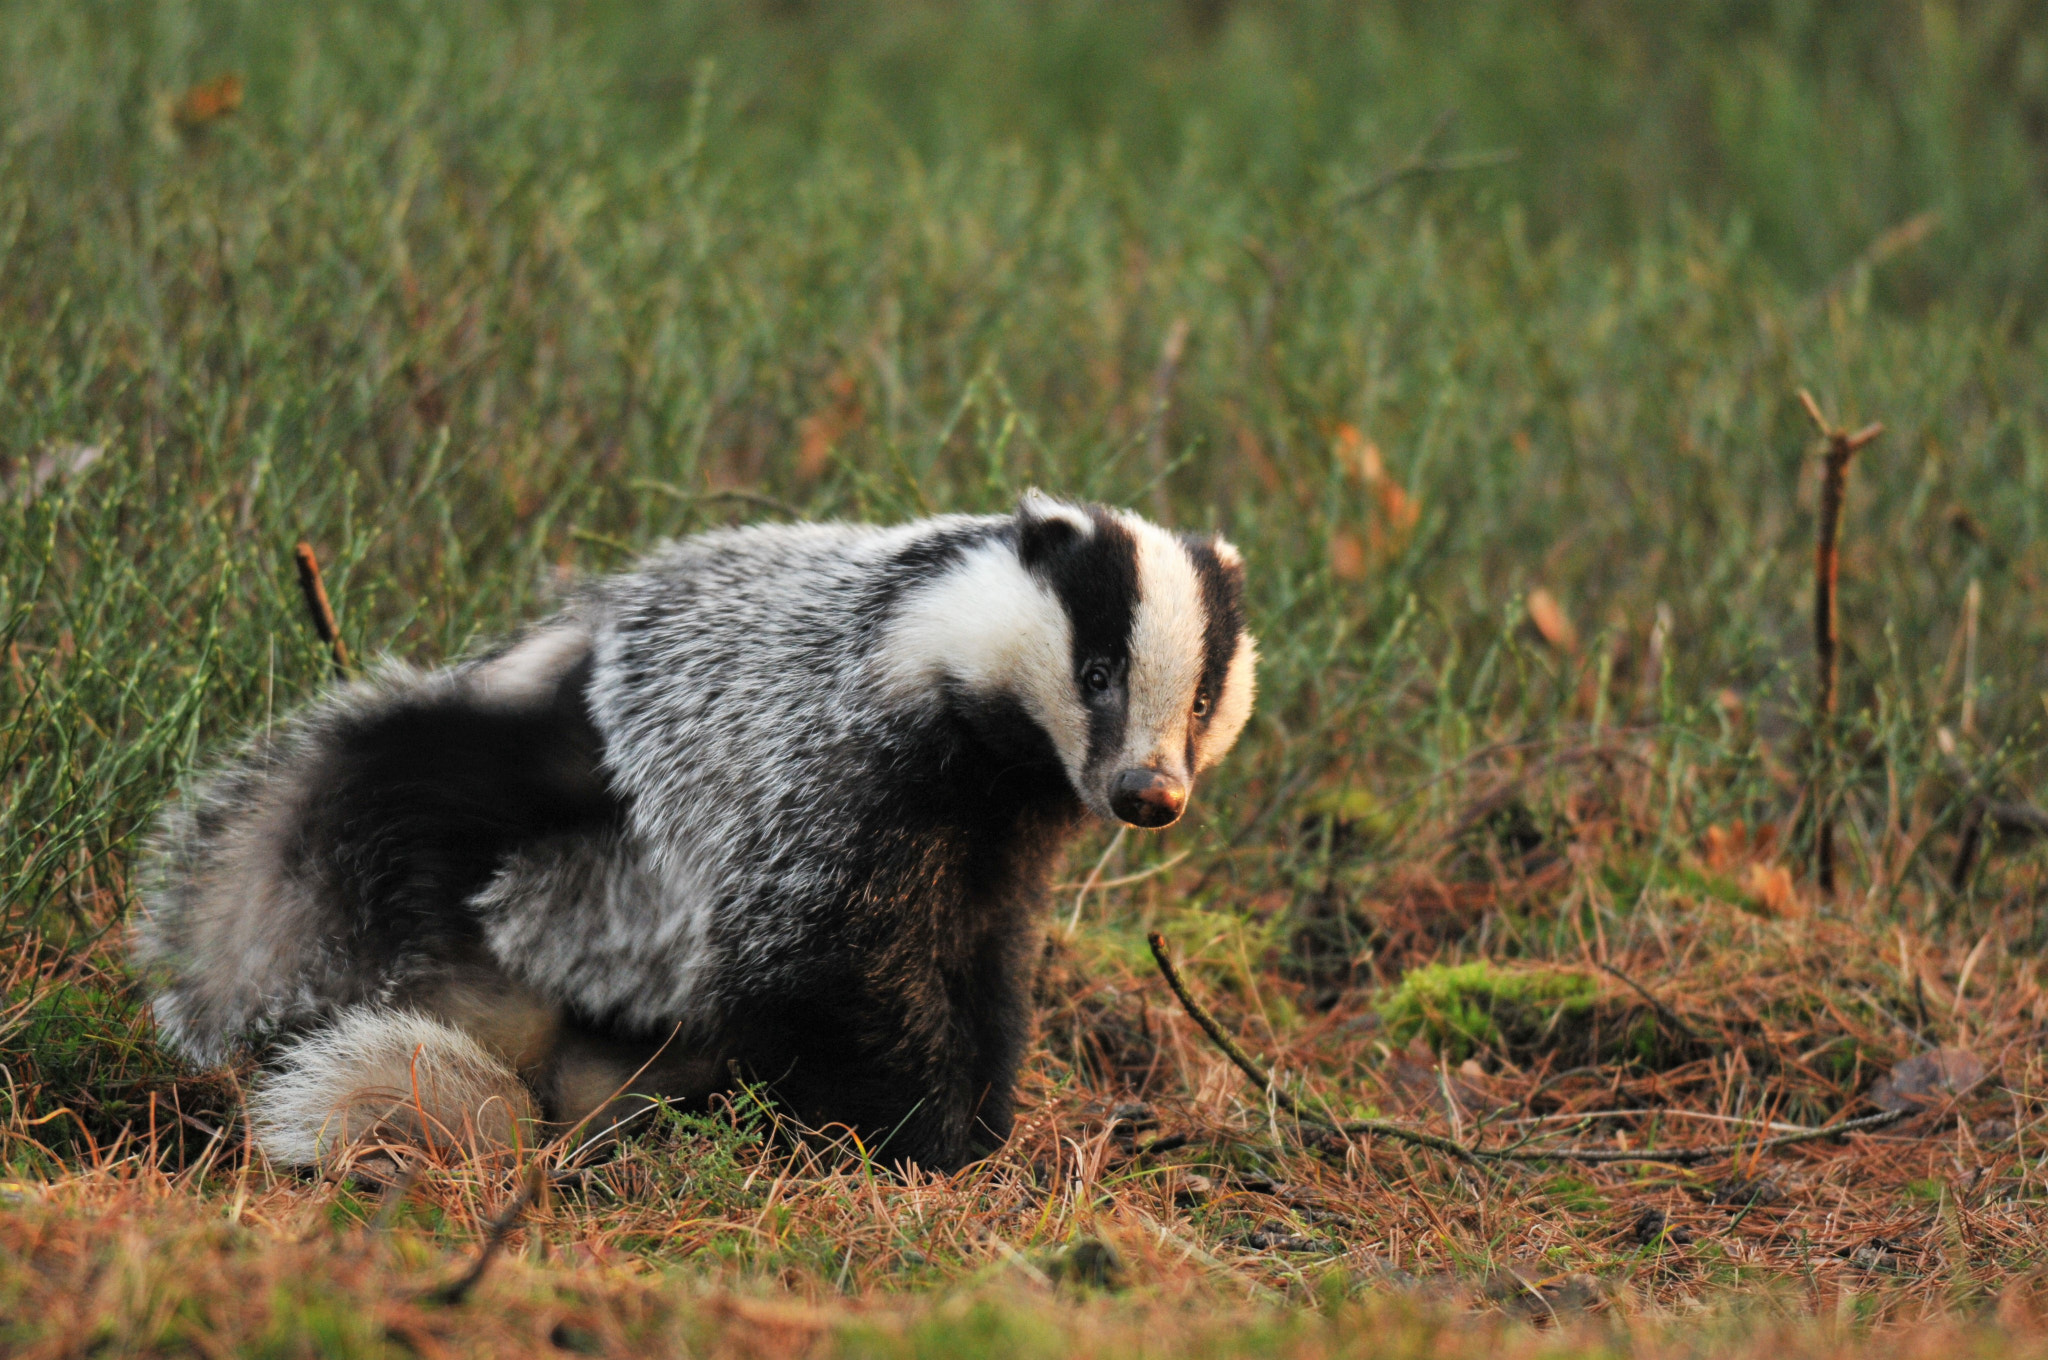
x: 1427, y: 305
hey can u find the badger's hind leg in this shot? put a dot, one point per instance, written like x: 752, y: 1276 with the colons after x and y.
x: 378, y: 1075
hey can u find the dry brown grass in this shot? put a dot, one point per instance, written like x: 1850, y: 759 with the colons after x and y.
x: 1154, y: 1195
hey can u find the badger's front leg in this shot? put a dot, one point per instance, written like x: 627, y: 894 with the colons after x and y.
x: 916, y: 1057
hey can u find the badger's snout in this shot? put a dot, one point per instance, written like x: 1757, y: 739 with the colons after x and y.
x: 1148, y: 798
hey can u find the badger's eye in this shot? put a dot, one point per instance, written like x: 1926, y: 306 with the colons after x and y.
x: 1201, y: 703
x: 1096, y: 678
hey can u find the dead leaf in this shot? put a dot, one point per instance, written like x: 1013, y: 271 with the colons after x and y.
x: 1359, y: 456
x: 1725, y: 847
x: 1347, y: 557
x: 1399, y: 509
x: 820, y: 432
x: 1551, y: 621
x: 208, y: 102
x: 1928, y: 1078
x: 1772, y: 887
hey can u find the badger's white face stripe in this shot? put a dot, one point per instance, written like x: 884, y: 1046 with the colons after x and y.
x: 1233, y: 705
x: 991, y: 627
x: 1167, y: 654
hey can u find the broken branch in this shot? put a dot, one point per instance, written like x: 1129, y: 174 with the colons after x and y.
x: 315, y: 591
x: 1827, y: 568
x: 458, y: 1289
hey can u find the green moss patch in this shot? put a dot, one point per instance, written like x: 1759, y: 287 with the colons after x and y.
x: 83, y: 1068
x: 1520, y: 1013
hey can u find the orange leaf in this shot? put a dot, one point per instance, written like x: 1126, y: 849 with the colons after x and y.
x: 1771, y: 886
x: 1551, y: 620
x: 820, y: 432
x: 1254, y: 455
x: 1398, y: 508
x: 1347, y: 557
x: 1359, y: 456
x: 207, y: 102
x: 1725, y: 845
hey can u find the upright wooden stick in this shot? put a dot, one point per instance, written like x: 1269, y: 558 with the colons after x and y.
x: 315, y: 592
x: 1827, y: 570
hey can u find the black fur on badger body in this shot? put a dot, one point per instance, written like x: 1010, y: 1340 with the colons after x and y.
x: 785, y: 798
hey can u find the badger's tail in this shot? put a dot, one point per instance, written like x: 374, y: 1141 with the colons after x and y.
x: 383, y: 1076
x: 329, y: 865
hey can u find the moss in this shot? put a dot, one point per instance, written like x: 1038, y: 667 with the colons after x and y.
x: 1625, y: 877
x: 1521, y: 1013
x: 1459, y: 1009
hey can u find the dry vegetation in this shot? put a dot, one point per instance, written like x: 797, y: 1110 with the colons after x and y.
x: 1162, y: 1201
x: 1519, y: 861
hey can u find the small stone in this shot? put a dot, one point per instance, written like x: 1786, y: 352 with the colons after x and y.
x: 1744, y: 1193
x: 1089, y: 1262
x: 1927, y: 1079
x: 1654, y: 1225
x: 1193, y: 1190
x: 1277, y: 1236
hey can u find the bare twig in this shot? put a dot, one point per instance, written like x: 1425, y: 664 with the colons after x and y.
x: 1827, y: 568
x: 1664, y: 1012
x: 315, y: 591
x: 458, y: 1289
x: 1264, y: 1081
x: 1421, y: 162
x: 1088, y: 884
x: 1381, y: 1128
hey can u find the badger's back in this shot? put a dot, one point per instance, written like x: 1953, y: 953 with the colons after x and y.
x: 788, y: 797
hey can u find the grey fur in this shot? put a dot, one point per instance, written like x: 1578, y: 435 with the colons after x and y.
x: 757, y: 695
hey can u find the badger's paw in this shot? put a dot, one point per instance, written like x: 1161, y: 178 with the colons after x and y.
x: 388, y: 1079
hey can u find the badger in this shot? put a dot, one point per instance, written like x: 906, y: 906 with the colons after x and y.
x: 782, y: 802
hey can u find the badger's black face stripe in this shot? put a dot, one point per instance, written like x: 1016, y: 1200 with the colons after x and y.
x: 1095, y: 579
x: 1223, y: 602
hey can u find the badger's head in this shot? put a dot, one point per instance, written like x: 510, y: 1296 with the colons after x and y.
x: 1120, y: 645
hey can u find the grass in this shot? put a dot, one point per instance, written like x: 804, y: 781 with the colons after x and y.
x: 475, y: 297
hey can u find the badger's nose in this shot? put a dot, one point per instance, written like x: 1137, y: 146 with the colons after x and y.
x: 1148, y: 798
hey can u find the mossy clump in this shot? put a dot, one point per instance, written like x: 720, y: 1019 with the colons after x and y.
x: 82, y: 1064
x: 1518, y: 1013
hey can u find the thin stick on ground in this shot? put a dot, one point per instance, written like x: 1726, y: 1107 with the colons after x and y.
x: 458, y: 1289
x: 315, y: 591
x: 1827, y: 568
x: 1264, y: 1080
x: 1670, y: 1017
x: 1381, y: 1128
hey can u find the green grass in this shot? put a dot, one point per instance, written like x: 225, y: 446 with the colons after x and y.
x: 477, y: 296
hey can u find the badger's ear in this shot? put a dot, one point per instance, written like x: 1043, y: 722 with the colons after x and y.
x: 1046, y: 526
